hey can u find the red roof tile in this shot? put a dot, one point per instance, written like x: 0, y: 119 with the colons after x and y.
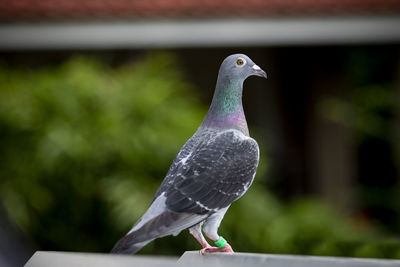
x: 38, y: 10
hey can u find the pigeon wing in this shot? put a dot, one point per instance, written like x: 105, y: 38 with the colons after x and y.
x: 214, y: 174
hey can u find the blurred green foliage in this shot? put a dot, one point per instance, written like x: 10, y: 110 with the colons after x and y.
x: 85, y: 146
x: 370, y: 110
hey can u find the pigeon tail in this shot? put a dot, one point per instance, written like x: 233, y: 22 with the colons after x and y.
x: 166, y: 223
x: 143, y: 233
x: 127, y: 245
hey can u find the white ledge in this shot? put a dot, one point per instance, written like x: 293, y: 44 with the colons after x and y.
x: 194, y: 259
x: 72, y: 259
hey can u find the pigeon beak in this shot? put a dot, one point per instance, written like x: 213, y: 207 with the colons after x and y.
x: 259, y: 71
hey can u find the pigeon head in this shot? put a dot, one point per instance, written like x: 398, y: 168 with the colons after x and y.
x: 226, y: 110
x: 240, y: 66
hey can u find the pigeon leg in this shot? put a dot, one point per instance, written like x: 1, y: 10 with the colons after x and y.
x: 196, y: 232
x: 211, y: 230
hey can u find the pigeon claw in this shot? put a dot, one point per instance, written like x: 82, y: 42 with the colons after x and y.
x: 206, y: 249
x: 226, y: 248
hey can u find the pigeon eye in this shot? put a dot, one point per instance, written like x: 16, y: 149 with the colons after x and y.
x: 240, y: 62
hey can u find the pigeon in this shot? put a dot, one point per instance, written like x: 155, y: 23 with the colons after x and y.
x: 214, y: 168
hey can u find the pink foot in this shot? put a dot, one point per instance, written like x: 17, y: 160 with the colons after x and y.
x: 205, y: 249
x: 226, y: 248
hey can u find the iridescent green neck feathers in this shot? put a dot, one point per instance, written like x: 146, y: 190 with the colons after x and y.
x: 226, y: 110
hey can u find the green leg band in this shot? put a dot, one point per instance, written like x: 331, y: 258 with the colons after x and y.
x: 221, y: 242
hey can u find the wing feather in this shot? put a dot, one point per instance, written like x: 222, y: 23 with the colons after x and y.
x: 217, y: 172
